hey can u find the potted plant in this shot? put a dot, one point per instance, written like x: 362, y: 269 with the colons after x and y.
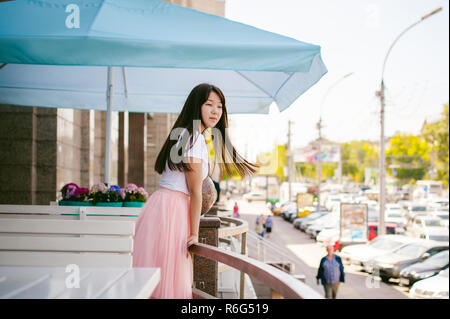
x: 104, y: 196
x: 135, y: 196
x: 73, y: 195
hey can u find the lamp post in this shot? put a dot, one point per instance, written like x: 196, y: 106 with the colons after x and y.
x: 380, y: 94
x: 319, y: 128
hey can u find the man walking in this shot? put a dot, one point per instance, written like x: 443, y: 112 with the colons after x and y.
x: 330, y: 273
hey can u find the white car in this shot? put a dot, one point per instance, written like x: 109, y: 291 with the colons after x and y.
x: 249, y: 197
x: 327, y: 235
x: 391, y: 216
x: 332, y: 201
x: 395, y: 208
x: 328, y: 221
x: 427, y: 225
x: 443, y: 215
x: 415, y: 209
x: 435, y: 287
x: 436, y: 233
x: 363, y: 254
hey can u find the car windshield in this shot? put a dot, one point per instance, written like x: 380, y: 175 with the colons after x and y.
x: 444, y: 216
x: 376, y: 240
x: 438, y: 237
x: 387, y: 244
x: 412, y: 250
x: 394, y: 215
x: 432, y: 223
x: 439, y: 260
x: 419, y: 209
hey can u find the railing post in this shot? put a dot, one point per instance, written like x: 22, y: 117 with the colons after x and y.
x: 206, y: 270
x: 212, y: 211
x: 243, y: 252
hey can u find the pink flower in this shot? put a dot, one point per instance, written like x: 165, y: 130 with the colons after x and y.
x: 130, y: 188
x: 99, y: 188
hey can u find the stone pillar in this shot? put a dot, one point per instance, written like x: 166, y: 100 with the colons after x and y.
x: 137, y: 152
x: 206, y: 270
x: 17, y: 154
x: 123, y: 149
x: 47, y: 156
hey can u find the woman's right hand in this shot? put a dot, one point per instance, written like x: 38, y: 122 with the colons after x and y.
x: 193, y: 239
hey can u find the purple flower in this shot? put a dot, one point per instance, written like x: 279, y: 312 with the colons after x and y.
x: 115, y: 188
x: 71, y: 190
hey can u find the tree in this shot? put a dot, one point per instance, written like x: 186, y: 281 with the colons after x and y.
x: 407, y: 157
x: 437, y: 136
x: 356, y: 156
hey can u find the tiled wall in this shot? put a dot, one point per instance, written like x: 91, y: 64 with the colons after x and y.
x: 42, y: 149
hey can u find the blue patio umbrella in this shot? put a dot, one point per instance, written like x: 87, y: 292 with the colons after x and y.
x: 144, y: 56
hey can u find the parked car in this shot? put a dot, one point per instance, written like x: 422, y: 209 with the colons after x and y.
x: 389, y: 265
x: 306, y: 212
x: 414, y: 209
x: 327, y: 235
x: 391, y: 229
x: 363, y: 254
x: 327, y: 221
x: 284, y: 206
x: 395, y: 217
x: 286, y: 212
x: 308, y: 220
x: 425, y: 269
x: 443, y: 215
x: 435, y: 287
x: 331, y: 201
x: 252, y: 196
x: 426, y: 225
x: 314, y: 230
x: 395, y: 208
x: 436, y: 233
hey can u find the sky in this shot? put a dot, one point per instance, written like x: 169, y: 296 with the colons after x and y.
x: 354, y: 36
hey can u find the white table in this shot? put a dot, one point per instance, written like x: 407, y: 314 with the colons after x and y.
x: 53, y: 282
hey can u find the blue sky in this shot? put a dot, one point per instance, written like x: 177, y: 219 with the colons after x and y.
x: 355, y: 36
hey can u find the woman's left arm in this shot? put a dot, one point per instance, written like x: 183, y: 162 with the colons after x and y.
x: 194, y: 184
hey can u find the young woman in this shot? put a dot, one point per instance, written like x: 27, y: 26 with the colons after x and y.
x: 169, y: 222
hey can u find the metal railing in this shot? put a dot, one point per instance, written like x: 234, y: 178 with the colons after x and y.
x: 239, y: 230
x: 263, y: 247
x: 276, y: 279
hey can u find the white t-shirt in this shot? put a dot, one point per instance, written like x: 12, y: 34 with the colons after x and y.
x: 176, y: 180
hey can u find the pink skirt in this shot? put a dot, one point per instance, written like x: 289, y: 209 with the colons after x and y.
x: 160, y: 241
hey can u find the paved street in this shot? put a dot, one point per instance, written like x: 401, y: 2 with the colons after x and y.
x: 307, y: 254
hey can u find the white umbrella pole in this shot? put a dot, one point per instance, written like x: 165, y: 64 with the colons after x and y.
x: 109, y: 99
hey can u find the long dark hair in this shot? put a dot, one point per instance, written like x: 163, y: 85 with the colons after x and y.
x: 226, y: 154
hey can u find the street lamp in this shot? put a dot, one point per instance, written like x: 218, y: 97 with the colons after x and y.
x: 319, y: 127
x: 380, y: 94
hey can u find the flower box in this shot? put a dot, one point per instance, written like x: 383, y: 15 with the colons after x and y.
x: 74, y: 203
x: 109, y: 204
x: 133, y: 204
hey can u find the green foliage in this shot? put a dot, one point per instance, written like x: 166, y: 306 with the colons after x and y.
x: 437, y: 136
x: 356, y: 156
x: 407, y: 157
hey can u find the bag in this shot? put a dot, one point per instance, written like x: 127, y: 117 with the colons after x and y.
x: 209, y: 194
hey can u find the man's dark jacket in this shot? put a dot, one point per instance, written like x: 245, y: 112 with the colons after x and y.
x: 321, y: 275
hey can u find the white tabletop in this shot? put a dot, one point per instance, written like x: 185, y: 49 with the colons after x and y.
x: 54, y: 282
